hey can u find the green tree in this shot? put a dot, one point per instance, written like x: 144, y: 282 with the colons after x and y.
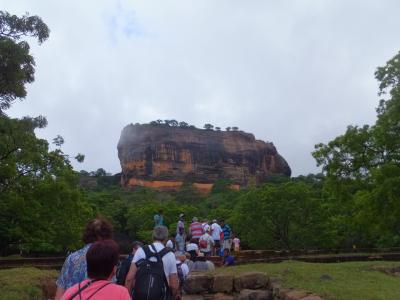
x: 362, y: 168
x: 17, y: 65
x: 208, y: 126
x: 287, y: 215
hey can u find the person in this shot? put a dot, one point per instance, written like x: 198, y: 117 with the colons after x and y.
x: 193, y: 249
x: 215, y: 233
x: 124, y: 266
x: 202, y: 264
x: 171, y: 242
x: 188, y: 261
x: 182, y: 270
x: 227, y: 241
x: 101, y: 258
x: 195, y: 229
x: 180, y: 241
x: 205, y: 226
x: 159, y: 218
x: 147, y: 256
x: 236, y: 244
x: 74, y: 267
x: 206, y: 243
x: 181, y: 223
x: 228, y: 259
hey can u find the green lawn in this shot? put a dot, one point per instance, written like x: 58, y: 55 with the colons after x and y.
x: 23, y: 283
x: 349, y: 281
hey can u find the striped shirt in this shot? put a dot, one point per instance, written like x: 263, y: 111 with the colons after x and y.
x: 227, y: 232
x: 196, y: 229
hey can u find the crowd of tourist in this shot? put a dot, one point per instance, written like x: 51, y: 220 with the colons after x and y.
x: 154, y: 271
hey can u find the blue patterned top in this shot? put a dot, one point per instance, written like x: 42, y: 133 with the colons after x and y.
x: 74, y: 269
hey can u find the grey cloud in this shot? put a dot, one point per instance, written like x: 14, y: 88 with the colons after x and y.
x: 292, y: 72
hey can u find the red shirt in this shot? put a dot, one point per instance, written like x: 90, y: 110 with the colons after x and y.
x: 196, y: 229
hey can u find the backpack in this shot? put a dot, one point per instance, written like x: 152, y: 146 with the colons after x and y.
x: 123, y: 269
x: 181, y: 278
x: 151, y: 282
x: 203, y: 244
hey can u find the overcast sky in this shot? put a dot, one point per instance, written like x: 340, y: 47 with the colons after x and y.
x: 292, y: 72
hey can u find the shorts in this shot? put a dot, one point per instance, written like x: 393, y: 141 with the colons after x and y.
x: 227, y: 244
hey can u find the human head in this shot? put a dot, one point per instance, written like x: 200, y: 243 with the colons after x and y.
x: 102, y: 258
x: 96, y: 230
x: 226, y: 252
x: 215, y: 221
x: 195, y: 219
x: 222, y: 222
x: 181, y: 216
x: 135, y: 246
x: 160, y: 234
x: 160, y: 211
x: 180, y: 256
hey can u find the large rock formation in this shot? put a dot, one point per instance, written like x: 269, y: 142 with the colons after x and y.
x: 164, y: 157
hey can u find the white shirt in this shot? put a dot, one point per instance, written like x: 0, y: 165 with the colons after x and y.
x: 170, y: 244
x: 191, y: 247
x: 206, y: 227
x: 184, y: 268
x: 216, y: 231
x: 210, y: 242
x: 168, y: 259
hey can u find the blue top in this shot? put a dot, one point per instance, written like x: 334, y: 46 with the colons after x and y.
x: 227, y: 232
x: 229, y: 260
x: 180, y: 243
x: 158, y: 220
x: 74, y: 269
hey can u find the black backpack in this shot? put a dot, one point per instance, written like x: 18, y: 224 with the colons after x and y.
x: 181, y: 278
x: 123, y: 270
x: 150, y: 280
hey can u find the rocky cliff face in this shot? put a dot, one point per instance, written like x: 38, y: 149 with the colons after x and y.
x: 163, y: 157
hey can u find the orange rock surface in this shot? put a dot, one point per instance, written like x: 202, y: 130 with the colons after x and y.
x: 164, y: 157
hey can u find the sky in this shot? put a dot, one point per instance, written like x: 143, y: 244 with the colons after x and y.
x: 296, y: 73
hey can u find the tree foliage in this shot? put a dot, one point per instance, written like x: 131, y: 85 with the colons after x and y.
x: 16, y: 64
x: 363, y: 169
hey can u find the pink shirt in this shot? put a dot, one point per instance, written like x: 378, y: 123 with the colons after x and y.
x: 109, y: 291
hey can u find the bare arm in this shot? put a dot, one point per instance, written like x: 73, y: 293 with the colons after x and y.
x: 59, y: 292
x: 130, y: 278
x: 173, y: 284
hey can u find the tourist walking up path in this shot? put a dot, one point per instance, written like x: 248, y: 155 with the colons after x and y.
x: 143, y: 275
x: 196, y: 229
x: 102, y: 258
x: 216, y: 235
x: 227, y: 243
x: 74, y: 269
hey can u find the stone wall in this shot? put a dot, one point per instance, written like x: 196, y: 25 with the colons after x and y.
x: 246, y: 286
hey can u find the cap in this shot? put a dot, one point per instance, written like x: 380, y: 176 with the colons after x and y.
x: 181, y: 215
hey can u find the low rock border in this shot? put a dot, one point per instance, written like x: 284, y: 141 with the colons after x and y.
x: 246, y: 286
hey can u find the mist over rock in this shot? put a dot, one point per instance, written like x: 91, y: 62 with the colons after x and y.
x: 162, y: 156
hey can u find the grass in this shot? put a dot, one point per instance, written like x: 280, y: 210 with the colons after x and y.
x: 349, y: 281
x: 23, y: 283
